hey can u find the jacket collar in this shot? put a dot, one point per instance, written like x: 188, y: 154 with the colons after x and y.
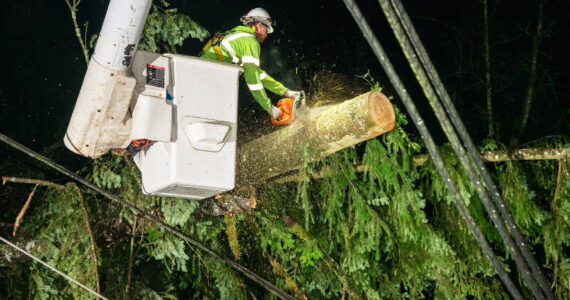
x: 245, y: 29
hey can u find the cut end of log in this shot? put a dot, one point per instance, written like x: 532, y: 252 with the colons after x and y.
x: 381, y: 111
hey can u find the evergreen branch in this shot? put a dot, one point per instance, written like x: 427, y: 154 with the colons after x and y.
x: 298, y: 230
x: 31, y: 181
x: 175, y: 232
x: 91, y: 235
x: 51, y: 268
x: 231, y: 232
x: 556, y: 220
x: 277, y: 268
x: 23, y: 211
x: 561, y: 164
x: 131, y: 256
x: 206, y: 274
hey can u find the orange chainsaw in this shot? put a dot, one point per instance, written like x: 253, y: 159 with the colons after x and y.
x: 290, y: 108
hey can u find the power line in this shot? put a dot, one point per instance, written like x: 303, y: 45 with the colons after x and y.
x: 426, y: 72
x: 430, y: 144
x: 245, y: 271
x: 52, y: 268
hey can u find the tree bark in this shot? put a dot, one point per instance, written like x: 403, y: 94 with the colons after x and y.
x: 504, y: 155
x: 322, y: 133
x: 487, y: 156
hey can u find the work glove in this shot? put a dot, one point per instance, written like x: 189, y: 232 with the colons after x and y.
x: 292, y: 94
x: 274, y: 112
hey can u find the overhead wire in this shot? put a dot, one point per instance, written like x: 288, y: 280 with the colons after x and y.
x: 402, y: 34
x: 52, y: 268
x: 245, y: 271
x: 430, y: 144
x: 397, y: 9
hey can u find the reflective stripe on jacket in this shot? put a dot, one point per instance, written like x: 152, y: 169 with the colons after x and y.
x: 241, y: 47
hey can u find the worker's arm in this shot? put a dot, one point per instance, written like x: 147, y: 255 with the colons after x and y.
x: 271, y: 84
x: 257, y: 80
x: 252, y: 78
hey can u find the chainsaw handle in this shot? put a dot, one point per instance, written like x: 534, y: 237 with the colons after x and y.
x: 283, y: 120
x: 287, y: 116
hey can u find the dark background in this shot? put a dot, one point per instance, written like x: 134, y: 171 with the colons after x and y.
x: 43, y: 66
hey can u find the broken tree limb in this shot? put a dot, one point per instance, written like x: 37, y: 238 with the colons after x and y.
x: 519, y: 154
x: 487, y: 156
x: 23, y: 211
x: 320, y: 133
x: 31, y: 181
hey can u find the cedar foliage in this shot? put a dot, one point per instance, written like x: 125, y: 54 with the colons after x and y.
x: 390, y: 232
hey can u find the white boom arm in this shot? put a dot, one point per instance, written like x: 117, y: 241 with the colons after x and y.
x: 100, y: 121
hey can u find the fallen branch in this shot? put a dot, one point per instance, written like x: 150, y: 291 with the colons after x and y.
x: 23, y: 211
x: 91, y: 235
x: 131, y: 256
x: 31, y: 181
x: 277, y: 268
x: 505, y: 155
x: 487, y: 156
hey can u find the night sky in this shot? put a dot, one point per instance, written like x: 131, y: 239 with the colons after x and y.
x: 43, y: 67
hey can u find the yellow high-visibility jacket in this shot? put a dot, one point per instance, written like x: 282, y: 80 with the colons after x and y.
x: 239, y: 46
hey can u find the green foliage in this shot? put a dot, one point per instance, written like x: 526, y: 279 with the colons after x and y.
x: 231, y: 231
x: 63, y: 243
x: 391, y: 231
x: 165, y: 29
x: 374, y: 85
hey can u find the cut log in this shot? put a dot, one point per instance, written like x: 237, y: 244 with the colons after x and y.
x: 318, y: 133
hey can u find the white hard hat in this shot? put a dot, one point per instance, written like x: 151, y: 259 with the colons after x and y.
x: 258, y: 15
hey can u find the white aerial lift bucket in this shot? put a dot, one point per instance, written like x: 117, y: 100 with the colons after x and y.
x: 186, y: 107
x: 198, y: 160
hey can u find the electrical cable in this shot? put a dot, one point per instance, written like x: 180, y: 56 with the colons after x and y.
x: 245, y: 271
x: 52, y: 268
x: 467, y: 141
x: 430, y: 144
x: 402, y: 36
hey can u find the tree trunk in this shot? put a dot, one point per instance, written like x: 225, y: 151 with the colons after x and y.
x: 322, y: 133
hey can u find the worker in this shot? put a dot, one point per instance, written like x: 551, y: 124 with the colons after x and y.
x: 240, y: 45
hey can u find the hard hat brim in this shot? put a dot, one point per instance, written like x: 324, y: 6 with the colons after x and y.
x: 268, y: 25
